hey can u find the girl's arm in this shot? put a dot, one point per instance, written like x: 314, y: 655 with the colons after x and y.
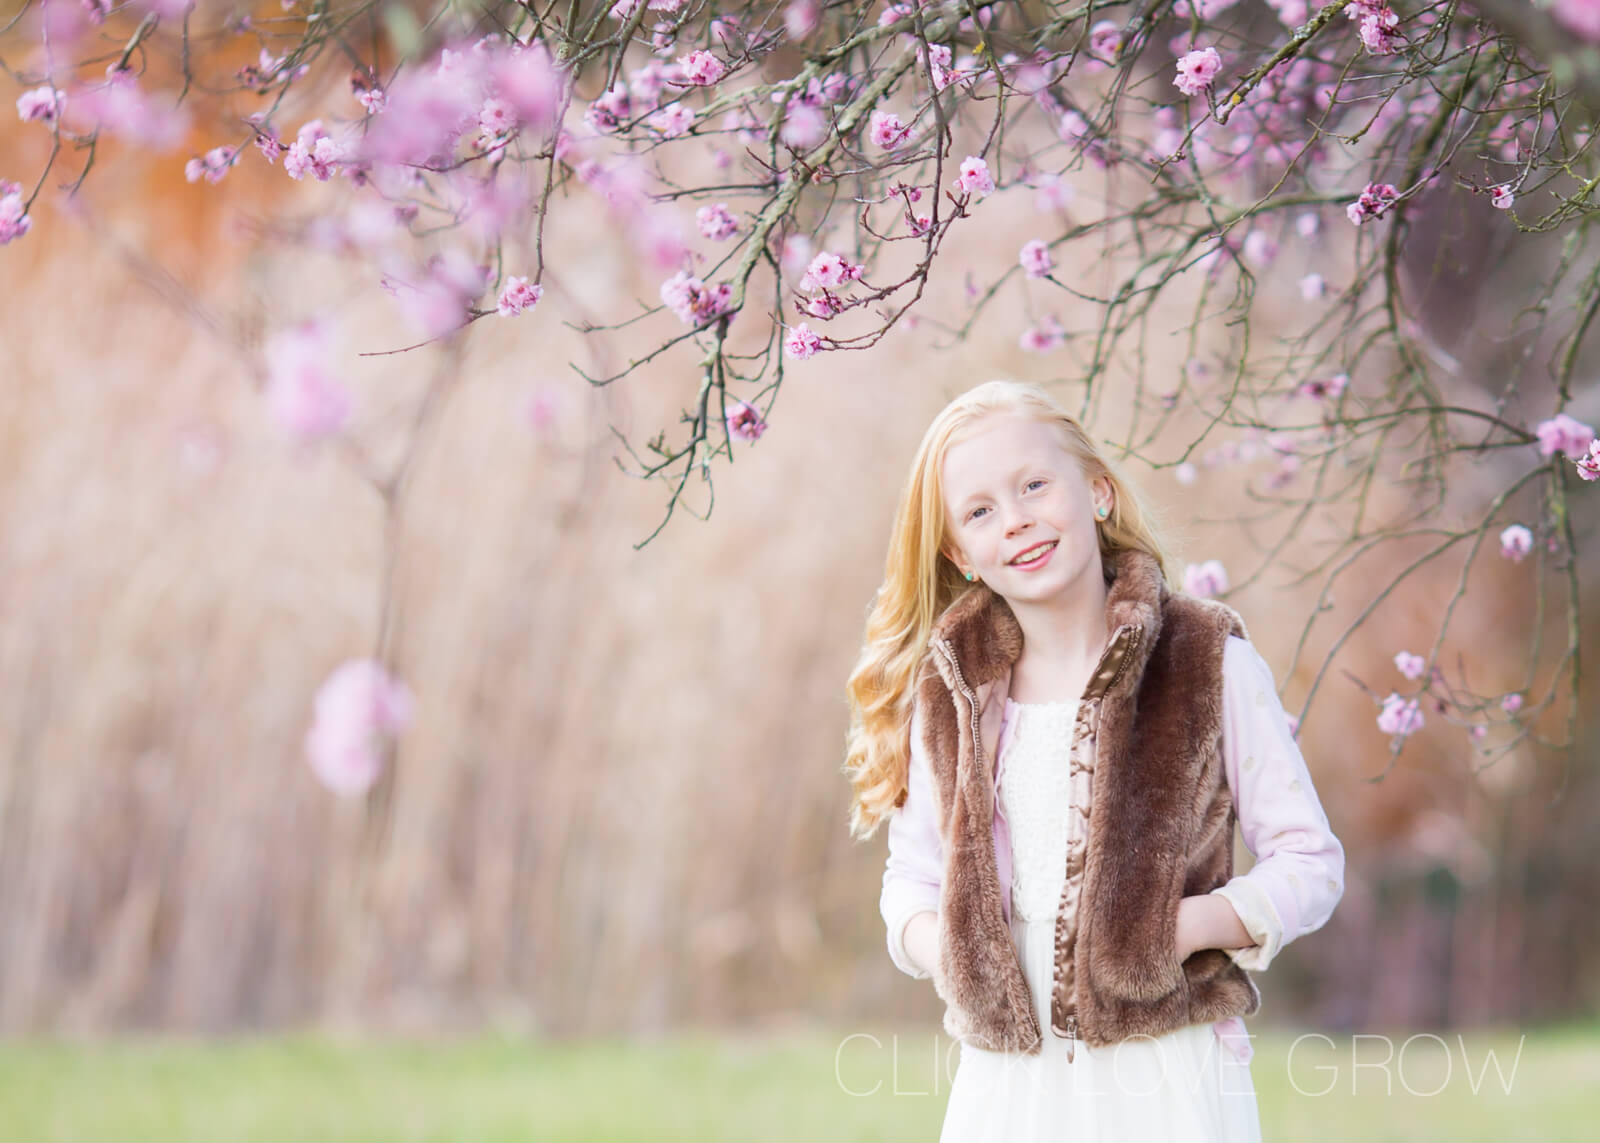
x: 915, y: 869
x: 1298, y: 876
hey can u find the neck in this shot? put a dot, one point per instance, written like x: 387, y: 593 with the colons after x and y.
x: 1061, y: 634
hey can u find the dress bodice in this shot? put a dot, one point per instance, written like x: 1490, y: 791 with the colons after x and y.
x: 1046, y: 799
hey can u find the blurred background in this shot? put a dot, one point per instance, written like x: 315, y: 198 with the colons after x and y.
x: 611, y: 855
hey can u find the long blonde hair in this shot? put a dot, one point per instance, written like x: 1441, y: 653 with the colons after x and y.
x: 919, y: 582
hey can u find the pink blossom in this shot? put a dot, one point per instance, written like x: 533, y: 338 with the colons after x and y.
x: 893, y: 12
x: 428, y: 110
x: 1035, y: 258
x: 14, y: 219
x: 801, y: 343
x: 804, y: 125
x: 304, y: 397
x: 701, y: 68
x: 1478, y: 732
x: 647, y: 82
x: 1105, y: 40
x: 528, y: 79
x: 1313, y: 287
x: 1328, y: 389
x: 1580, y: 17
x: 1307, y: 225
x: 437, y: 303
x: 267, y: 143
x: 1511, y: 703
x: 1072, y: 125
x: 744, y: 421
x: 312, y: 153
x: 823, y: 305
x: 1205, y: 580
x: 1562, y: 433
x: 716, y: 222
x: 372, y: 99
x: 887, y: 130
x: 610, y: 109
x: 359, y: 710
x: 693, y: 301
x: 801, y: 18
x: 517, y: 296
x: 1409, y: 665
x: 1373, y: 202
x: 42, y: 104
x: 1259, y: 248
x: 1377, y: 24
x: 211, y: 166
x: 1516, y: 542
x: 1400, y: 716
x: 1501, y: 197
x: 1044, y: 336
x: 1292, y: 13
x: 673, y: 121
x: 829, y: 271
x: 1052, y: 193
x: 795, y: 253
x: 121, y: 107
x: 1197, y: 71
x: 496, y: 118
x: 974, y: 177
x: 1589, y: 465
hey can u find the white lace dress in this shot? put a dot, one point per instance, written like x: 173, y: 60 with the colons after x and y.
x: 1183, y: 1087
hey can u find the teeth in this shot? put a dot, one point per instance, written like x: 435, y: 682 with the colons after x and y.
x: 1032, y: 553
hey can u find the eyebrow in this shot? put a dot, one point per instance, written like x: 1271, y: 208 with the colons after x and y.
x: 1016, y: 472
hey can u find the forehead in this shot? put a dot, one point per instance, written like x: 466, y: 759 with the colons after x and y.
x: 995, y: 449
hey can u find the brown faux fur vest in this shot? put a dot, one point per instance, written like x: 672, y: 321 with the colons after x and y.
x: 1160, y: 826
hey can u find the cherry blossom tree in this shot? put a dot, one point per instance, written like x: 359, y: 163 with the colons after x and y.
x: 792, y: 172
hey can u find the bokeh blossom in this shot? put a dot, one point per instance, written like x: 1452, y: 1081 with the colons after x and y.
x: 360, y: 709
x: 1205, y: 579
x: 744, y: 421
x: 1400, y: 715
x: 1516, y: 542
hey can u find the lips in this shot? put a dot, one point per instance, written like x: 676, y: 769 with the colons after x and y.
x: 1032, y: 553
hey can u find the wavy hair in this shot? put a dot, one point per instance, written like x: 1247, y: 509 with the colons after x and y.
x: 919, y: 582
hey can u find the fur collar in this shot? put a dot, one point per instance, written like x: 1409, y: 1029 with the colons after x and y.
x: 984, y: 633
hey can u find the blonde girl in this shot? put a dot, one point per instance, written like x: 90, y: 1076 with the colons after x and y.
x: 1061, y: 744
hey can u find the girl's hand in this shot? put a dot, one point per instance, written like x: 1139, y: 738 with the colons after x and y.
x: 1207, y: 921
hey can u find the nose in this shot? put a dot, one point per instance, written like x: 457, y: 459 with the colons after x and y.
x: 1017, y: 519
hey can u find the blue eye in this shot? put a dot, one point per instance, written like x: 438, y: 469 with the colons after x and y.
x: 1035, y: 480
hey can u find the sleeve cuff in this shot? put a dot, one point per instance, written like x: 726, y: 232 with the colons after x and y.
x: 897, y: 941
x: 1260, y: 917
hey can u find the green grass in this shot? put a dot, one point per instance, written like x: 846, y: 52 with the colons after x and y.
x: 711, y: 1087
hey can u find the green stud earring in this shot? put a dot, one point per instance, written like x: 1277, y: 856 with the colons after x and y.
x: 970, y: 576
x: 1101, y: 513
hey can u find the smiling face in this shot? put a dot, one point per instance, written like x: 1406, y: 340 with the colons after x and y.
x: 1009, y: 487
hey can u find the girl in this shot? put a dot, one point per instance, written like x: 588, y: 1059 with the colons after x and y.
x: 1061, y: 745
